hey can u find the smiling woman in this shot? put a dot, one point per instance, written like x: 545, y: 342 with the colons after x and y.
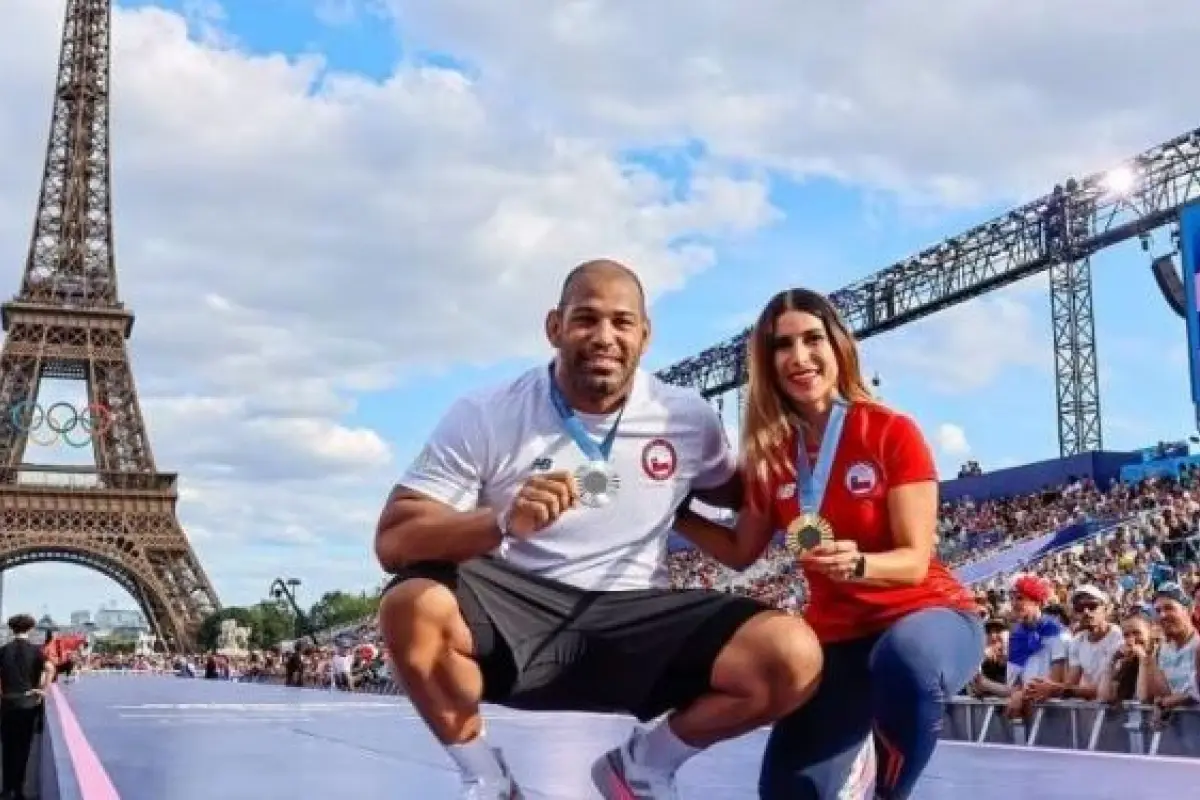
x: 854, y: 485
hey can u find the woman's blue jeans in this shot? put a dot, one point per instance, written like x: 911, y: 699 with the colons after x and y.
x: 893, y: 684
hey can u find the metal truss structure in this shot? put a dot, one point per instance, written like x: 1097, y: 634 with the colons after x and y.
x: 118, y: 516
x: 1077, y: 381
x: 1057, y: 233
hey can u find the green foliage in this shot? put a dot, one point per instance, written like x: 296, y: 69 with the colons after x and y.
x: 210, y: 628
x: 114, y: 646
x: 342, y: 608
x: 273, y: 621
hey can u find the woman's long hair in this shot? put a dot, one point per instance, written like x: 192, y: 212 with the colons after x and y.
x: 769, y: 416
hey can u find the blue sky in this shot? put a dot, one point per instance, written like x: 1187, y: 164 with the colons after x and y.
x: 824, y: 218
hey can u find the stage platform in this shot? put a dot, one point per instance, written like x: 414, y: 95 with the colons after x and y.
x: 165, y: 738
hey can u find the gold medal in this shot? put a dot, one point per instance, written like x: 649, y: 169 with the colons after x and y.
x: 806, y: 532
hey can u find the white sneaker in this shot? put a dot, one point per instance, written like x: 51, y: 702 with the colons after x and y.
x: 503, y: 788
x: 618, y: 776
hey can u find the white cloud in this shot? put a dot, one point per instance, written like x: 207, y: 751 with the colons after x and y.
x: 952, y: 440
x: 338, y: 13
x: 968, y: 347
x: 956, y: 102
x: 226, y: 437
x: 290, y: 236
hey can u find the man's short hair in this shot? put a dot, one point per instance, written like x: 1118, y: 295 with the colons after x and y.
x: 598, y: 266
x: 21, y: 623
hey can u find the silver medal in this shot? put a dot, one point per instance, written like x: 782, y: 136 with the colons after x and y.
x: 597, y: 483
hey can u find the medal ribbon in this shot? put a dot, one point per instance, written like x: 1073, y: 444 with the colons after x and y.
x: 594, y: 450
x: 811, y: 482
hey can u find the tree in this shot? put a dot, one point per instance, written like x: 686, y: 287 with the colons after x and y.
x: 114, y: 646
x: 273, y: 623
x: 341, y: 608
x: 210, y: 629
x: 269, y: 623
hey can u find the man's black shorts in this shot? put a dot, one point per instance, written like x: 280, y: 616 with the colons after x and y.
x: 543, y: 645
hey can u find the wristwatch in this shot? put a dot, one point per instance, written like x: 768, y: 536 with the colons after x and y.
x: 502, y: 521
x: 860, y: 567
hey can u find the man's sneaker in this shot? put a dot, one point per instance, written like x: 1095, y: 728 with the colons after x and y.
x: 618, y: 777
x: 489, y: 789
x: 503, y: 788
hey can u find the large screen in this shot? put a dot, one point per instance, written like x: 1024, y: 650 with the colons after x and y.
x: 1189, y: 252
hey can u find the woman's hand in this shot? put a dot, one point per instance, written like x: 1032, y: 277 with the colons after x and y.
x: 837, y: 559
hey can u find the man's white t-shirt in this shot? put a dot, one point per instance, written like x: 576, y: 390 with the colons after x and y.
x: 670, y: 442
x: 1095, y: 657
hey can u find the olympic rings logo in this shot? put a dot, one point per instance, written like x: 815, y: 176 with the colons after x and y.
x: 61, y: 421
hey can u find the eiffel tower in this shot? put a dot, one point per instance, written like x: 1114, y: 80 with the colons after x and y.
x: 116, y: 516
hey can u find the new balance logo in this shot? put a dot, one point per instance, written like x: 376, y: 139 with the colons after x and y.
x: 543, y: 464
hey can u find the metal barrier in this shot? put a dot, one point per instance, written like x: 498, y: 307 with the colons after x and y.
x: 1076, y: 725
x: 325, y: 683
x: 120, y: 671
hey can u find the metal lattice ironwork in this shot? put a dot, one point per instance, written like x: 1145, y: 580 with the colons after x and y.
x: 1009, y: 248
x: 117, y: 516
x: 71, y: 253
x: 1077, y: 381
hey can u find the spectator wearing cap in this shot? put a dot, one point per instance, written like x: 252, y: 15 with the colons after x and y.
x: 1169, y: 679
x: 1037, y: 647
x: 1090, y: 652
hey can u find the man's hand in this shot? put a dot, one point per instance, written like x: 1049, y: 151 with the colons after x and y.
x: 1172, y: 701
x: 1015, y: 708
x: 1040, y: 690
x: 540, y: 502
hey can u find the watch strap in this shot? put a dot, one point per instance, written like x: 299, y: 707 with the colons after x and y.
x: 502, y: 521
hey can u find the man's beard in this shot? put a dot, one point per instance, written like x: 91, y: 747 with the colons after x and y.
x: 598, y: 386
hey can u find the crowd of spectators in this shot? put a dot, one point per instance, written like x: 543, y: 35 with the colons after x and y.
x: 1114, y: 615
x: 968, y: 531
x: 351, y: 658
x: 360, y: 665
